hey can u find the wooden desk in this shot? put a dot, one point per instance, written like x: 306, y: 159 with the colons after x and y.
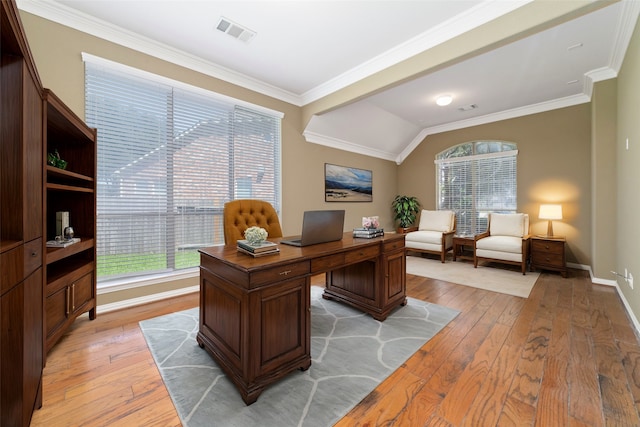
x: 255, y: 312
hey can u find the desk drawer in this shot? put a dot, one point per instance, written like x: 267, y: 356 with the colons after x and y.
x: 327, y: 263
x: 361, y: 254
x: 282, y: 272
x: 392, y: 246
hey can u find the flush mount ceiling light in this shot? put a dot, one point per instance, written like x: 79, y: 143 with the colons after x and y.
x: 234, y: 30
x: 443, y: 100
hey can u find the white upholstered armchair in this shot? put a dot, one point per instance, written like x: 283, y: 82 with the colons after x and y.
x: 434, y: 234
x: 506, y: 240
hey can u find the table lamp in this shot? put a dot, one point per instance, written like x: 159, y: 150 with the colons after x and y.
x: 550, y: 212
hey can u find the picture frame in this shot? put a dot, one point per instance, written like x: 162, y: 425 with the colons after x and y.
x: 347, y: 184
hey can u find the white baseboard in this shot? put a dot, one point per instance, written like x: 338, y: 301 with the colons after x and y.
x: 632, y: 316
x: 105, y: 308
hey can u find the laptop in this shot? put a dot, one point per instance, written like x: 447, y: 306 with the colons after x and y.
x: 319, y: 227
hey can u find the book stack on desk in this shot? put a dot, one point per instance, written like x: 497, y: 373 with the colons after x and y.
x: 368, y: 233
x: 256, y: 250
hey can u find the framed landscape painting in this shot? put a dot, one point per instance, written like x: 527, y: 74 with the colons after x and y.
x: 344, y: 184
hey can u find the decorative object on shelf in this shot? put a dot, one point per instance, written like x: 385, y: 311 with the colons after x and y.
x: 68, y: 233
x: 59, y: 242
x: 344, y: 184
x: 370, y: 222
x: 550, y: 212
x: 405, y: 209
x: 54, y: 159
x: 62, y: 222
x: 255, y: 235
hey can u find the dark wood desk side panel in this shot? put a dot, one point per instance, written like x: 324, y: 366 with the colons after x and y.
x: 256, y: 336
x: 224, y: 316
x: 355, y: 282
x: 284, y: 312
x: 395, y: 275
x: 221, y: 317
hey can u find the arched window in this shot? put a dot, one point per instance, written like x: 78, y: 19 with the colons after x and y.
x: 475, y: 178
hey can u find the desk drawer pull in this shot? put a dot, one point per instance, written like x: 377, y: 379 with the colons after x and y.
x: 284, y: 273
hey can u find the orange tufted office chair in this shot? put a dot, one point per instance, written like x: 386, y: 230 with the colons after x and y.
x: 244, y: 213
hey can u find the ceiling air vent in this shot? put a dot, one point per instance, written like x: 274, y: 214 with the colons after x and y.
x: 234, y: 30
x: 468, y: 107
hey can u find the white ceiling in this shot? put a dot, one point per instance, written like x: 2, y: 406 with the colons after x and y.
x: 304, y: 50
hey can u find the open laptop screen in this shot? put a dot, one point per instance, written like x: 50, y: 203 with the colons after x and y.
x: 319, y: 227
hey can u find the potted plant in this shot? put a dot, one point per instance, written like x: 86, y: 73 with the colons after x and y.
x: 405, y: 209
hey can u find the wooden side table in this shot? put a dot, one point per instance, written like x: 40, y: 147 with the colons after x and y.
x: 461, y: 242
x: 548, y: 253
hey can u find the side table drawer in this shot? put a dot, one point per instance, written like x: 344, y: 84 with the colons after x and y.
x: 545, y: 246
x: 551, y: 260
x: 548, y: 254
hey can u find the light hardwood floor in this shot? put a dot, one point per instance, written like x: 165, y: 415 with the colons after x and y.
x: 566, y: 356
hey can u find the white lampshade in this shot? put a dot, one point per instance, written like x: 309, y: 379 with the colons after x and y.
x: 550, y: 212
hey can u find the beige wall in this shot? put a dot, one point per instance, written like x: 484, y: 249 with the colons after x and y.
x: 603, y: 177
x: 554, y: 166
x: 57, y: 54
x: 628, y: 172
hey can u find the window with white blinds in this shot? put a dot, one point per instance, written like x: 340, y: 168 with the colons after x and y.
x: 169, y: 158
x: 476, y: 178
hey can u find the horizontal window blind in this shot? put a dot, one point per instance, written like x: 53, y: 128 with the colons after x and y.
x: 168, y: 161
x: 472, y: 185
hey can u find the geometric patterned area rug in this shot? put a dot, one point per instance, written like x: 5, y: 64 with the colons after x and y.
x: 351, y: 353
x: 494, y: 277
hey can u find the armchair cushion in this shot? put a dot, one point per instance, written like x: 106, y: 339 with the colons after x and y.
x: 507, y: 240
x: 507, y: 225
x: 416, y: 238
x: 442, y: 221
x: 434, y: 234
x: 508, y: 244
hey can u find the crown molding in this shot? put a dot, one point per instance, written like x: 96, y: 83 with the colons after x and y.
x: 69, y: 17
x: 470, y: 19
x: 494, y: 117
x: 481, y: 14
x: 343, y: 145
x: 625, y: 27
